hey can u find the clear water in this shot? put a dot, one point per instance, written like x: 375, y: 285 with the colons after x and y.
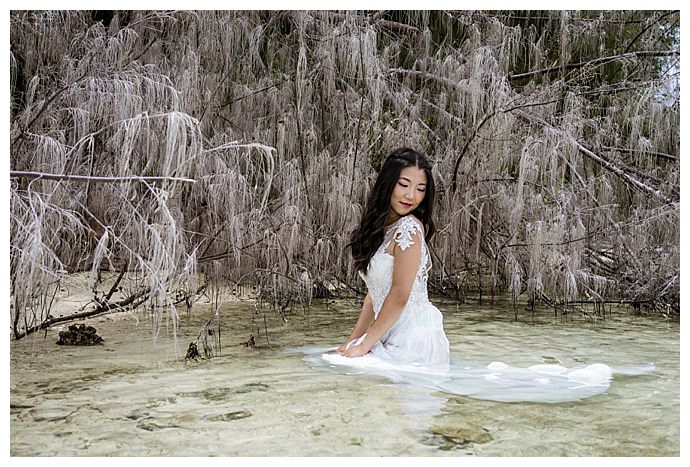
x: 122, y: 398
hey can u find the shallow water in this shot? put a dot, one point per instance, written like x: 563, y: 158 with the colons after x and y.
x: 122, y: 398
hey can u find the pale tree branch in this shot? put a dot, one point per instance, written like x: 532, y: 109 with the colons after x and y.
x: 84, y: 178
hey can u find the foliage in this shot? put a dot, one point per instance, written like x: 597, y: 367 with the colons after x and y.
x: 555, y: 150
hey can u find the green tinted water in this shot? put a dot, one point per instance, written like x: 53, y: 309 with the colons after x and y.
x: 122, y: 398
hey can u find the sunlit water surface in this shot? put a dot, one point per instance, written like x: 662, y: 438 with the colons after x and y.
x: 124, y: 398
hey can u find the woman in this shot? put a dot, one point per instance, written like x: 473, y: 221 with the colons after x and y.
x: 399, y: 333
x: 397, y: 323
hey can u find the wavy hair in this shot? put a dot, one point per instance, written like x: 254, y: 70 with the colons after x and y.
x: 366, y: 239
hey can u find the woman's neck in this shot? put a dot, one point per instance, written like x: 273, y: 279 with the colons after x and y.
x: 394, y: 217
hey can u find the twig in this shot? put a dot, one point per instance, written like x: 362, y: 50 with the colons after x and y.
x: 622, y: 174
x: 566, y: 242
x: 454, y: 182
x: 266, y: 88
x: 266, y: 331
x: 359, y: 117
x: 424, y: 74
x: 509, y: 16
x: 117, y: 282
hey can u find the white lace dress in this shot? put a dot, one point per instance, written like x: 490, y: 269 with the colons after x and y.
x: 416, y: 339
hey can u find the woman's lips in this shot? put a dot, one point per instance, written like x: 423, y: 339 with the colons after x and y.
x: 405, y: 204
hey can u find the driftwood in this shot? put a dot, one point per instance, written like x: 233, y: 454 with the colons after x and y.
x: 130, y: 302
x: 103, y: 306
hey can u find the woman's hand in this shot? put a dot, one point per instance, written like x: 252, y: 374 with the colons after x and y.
x: 356, y: 351
x: 344, y: 346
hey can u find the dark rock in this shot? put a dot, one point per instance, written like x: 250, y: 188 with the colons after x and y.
x: 79, y: 335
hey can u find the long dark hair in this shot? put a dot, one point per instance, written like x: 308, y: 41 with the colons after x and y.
x: 367, y: 238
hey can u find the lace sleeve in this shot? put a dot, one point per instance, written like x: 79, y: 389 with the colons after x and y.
x: 406, y: 229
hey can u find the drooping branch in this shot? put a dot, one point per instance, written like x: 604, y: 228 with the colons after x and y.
x: 631, y: 170
x: 46, y: 104
x: 602, y: 161
x: 475, y: 132
x: 596, y: 61
x: 604, y: 89
x: 627, y: 178
x: 417, y: 95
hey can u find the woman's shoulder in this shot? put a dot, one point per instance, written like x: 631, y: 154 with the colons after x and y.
x: 410, y: 222
x: 406, y: 228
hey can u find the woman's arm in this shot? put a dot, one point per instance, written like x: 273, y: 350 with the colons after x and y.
x: 366, y: 316
x: 405, y: 266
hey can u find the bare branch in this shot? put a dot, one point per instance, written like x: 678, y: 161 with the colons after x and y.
x: 84, y: 178
x: 405, y: 28
x: 651, y: 153
x: 621, y: 173
x: 596, y: 61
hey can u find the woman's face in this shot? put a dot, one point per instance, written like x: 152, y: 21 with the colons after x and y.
x: 409, y: 191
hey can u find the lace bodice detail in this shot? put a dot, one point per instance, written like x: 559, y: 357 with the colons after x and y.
x: 379, y: 276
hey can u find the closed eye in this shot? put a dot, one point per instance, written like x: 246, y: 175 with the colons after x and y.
x: 405, y: 186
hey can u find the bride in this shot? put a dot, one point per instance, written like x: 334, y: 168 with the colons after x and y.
x: 397, y: 321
